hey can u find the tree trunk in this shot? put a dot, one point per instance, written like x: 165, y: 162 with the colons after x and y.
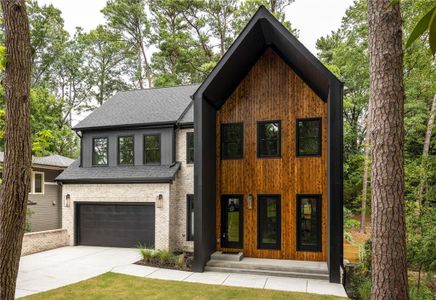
x: 147, y: 67
x: 366, y: 165
x: 389, y: 272
x: 17, y: 160
x: 425, y: 151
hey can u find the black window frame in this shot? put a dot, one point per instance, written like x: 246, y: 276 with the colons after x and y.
x: 318, y: 247
x: 118, y: 149
x: 107, y: 151
x: 258, y: 125
x: 297, y: 139
x: 144, y: 151
x: 188, y: 160
x: 189, y: 219
x: 278, y: 244
x: 241, y: 129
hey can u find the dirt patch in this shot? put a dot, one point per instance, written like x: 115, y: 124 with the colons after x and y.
x: 182, y: 262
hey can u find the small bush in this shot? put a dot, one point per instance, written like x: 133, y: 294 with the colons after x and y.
x: 166, y: 257
x: 147, y: 254
x: 364, y: 289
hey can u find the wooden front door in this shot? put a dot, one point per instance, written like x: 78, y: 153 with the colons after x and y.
x: 232, y: 221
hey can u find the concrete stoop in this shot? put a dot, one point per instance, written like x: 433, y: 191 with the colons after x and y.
x: 230, y: 263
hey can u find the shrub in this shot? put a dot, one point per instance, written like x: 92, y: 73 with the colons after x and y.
x: 364, y: 289
x: 147, y: 254
x: 166, y: 257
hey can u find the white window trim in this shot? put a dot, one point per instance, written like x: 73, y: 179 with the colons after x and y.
x: 32, y: 183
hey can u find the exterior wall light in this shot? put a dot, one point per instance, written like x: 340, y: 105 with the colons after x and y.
x: 67, y: 200
x: 159, y: 201
x: 250, y: 201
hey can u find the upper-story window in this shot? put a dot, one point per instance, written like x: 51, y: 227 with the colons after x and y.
x: 189, y: 147
x: 232, y: 141
x: 126, y: 152
x: 268, y: 139
x: 100, y: 151
x: 37, y: 183
x: 309, y: 137
x: 152, y: 149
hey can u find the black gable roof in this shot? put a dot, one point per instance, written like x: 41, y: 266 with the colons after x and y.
x: 264, y: 31
x: 158, y: 106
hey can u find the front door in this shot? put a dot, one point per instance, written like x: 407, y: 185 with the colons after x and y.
x: 232, y: 221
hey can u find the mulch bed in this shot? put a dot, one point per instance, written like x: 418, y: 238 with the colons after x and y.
x: 155, y: 262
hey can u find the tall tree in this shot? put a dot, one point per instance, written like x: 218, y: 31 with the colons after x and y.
x: 389, y: 270
x: 129, y: 18
x: 17, y: 161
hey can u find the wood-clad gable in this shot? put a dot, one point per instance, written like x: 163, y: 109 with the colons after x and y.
x: 272, y: 91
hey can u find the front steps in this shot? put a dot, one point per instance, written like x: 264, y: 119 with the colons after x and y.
x: 228, y: 263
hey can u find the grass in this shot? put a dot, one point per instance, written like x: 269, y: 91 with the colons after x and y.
x: 117, y: 286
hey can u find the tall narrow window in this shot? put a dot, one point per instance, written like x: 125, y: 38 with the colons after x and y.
x: 189, y: 147
x: 309, y: 137
x: 232, y: 141
x: 126, y: 150
x: 100, y: 151
x: 268, y: 222
x: 190, y: 217
x: 37, y: 184
x: 309, y: 223
x: 268, y: 139
x: 152, y: 149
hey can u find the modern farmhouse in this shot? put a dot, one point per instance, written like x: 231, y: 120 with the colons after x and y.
x: 247, y: 162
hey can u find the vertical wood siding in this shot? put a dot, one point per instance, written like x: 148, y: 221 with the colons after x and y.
x: 272, y: 91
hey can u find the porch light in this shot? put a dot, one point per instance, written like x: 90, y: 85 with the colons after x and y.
x: 67, y: 200
x: 250, y: 201
x: 160, y: 201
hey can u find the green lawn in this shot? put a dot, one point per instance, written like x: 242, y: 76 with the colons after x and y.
x: 117, y: 286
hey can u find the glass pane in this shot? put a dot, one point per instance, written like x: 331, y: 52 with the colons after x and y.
x: 125, y: 148
x: 151, y: 149
x: 100, y: 151
x: 233, y: 211
x: 232, y: 141
x: 38, y: 183
x: 190, y: 147
x: 309, y: 226
x: 269, y: 222
x: 309, y: 137
x: 269, y: 139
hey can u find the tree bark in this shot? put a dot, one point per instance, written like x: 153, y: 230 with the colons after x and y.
x: 425, y: 151
x: 366, y: 161
x: 389, y: 271
x: 17, y: 160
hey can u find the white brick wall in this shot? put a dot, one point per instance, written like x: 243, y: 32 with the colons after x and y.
x: 170, y: 232
x: 183, y: 185
x: 145, y: 192
x: 34, y: 242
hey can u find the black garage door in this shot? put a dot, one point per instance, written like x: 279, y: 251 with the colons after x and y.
x: 115, y: 225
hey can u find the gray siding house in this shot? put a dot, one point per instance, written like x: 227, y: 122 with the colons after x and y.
x: 45, y: 201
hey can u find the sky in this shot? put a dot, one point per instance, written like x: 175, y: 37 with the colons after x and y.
x: 313, y: 18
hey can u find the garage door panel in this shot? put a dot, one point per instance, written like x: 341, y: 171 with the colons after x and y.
x: 116, y: 225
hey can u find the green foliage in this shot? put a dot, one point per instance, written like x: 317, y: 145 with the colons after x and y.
x: 364, y: 289
x: 147, y: 254
x: 166, y: 257
x: 425, y: 23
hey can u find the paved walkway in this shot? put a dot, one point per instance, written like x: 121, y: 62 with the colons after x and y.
x: 60, y: 267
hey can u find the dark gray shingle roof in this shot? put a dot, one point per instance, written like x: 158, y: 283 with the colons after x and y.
x: 54, y: 160
x: 161, y: 173
x: 188, y: 116
x: 139, y: 107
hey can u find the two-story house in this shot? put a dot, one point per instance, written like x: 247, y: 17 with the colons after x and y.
x: 264, y: 131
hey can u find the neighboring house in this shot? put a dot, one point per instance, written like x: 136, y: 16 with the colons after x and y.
x: 268, y: 159
x: 45, y: 200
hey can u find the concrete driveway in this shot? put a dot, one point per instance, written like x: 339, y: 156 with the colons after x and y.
x: 63, y: 266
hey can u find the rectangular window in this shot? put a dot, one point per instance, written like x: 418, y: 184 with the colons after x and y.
x: 232, y: 141
x: 152, y: 149
x: 190, y: 217
x: 126, y: 151
x: 268, y: 222
x: 37, y: 183
x: 268, y: 139
x: 100, y: 151
x: 309, y: 223
x: 189, y: 147
x: 309, y: 137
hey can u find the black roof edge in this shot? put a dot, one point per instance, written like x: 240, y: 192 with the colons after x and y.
x: 129, y: 126
x: 184, y: 112
x: 263, y: 14
x: 186, y: 125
